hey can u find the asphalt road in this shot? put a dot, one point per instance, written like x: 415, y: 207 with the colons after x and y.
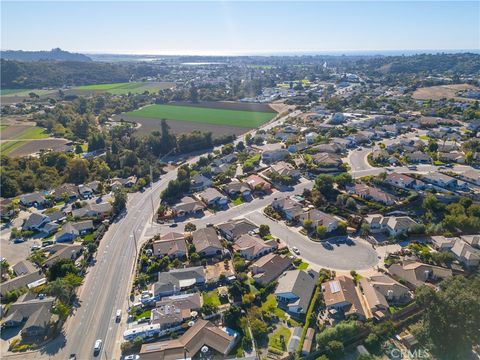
x: 359, y: 255
x: 107, y: 284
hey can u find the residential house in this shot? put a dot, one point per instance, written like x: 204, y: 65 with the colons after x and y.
x: 257, y: 183
x: 35, y: 315
x: 237, y: 188
x: 72, y: 230
x: 418, y: 157
x: 325, y: 159
x: 172, y: 311
x: 285, y: 169
x: 200, y: 182
x: 85, y: 191
x: 404, y: 181
x: 311, y: 137
x: 172, y: 245
x: 370, y: 193
x: 381, y: 291
x: 297, y: 147
x: 341, y: 295
x: 188, y: 206
x: 472, y: 176
x: 63, y: 251
x: 35, y: 222
x: 392, y: 225
x: 69, y: 191
x: 473, y: 240
x: 269, y: 267
x: 289, y: 208
x: 24, y: 267
x: 271, y: 156
x: 206, y: 242
x: 415, y: 273
x: 203, y: 337
x: 97, y: 211
x: 213, y: 197
x: 331, y: 148
x: 57, y: 216
x: 442, y: 180
x: 177, y: 280
x: 456, y: 157
x: 295, y: 290
x: 318, y: 218
x: 465, y: 253
x: 233, y: 229
x: 23, y: 281
x: 441, y: 243
x: 34, y: 199
x: 251, y: 247
x: 49, y: 228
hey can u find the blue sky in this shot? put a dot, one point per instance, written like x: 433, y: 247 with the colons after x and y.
x: 224, y: 27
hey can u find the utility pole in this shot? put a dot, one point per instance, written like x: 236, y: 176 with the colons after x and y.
x: 151, y: 177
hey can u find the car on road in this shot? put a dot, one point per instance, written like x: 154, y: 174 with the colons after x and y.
x: 449, y: 165
x: 118, y: 316
x: 173, y: 225
x: 209, y: 225
x: 18, y: 240
x: 97, y: 347
x: 295, y: 250
x: 359, y: 149
x: 73, y: 357
x: 36, y: 247
x: 412, y: 167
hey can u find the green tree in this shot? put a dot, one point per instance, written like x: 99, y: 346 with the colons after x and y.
x: 189, y: 227
x: 120, y: 201
x: 264, y: 230
x: 324, y: 183
x: 77, y: 171
x: 334, y: 350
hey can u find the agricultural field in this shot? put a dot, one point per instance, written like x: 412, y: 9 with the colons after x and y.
x: 123, y: 88
x: 220, y: 118
x: 442, y: 92
x: 19, y: 139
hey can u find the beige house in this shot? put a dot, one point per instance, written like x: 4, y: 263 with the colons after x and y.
x: 415, y: 273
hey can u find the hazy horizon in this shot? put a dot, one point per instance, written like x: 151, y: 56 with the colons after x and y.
x: 224, y: 28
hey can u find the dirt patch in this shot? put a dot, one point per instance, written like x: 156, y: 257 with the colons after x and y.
x: 281, y: 107
x: 34, y: 146
x: 229, y: 105
x: 147, y: 125
x: 442, y: 92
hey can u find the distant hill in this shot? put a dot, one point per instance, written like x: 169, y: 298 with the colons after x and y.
x: 50, y: 73
x: 54, y: 54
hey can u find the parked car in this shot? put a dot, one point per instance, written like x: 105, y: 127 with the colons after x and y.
x: 295, y: 250
x: 131, y: 357
x: 73, y: 357
x: 143, y: 320
x: 35, y: 247
x: 118, y: 316
x: 174, y: 225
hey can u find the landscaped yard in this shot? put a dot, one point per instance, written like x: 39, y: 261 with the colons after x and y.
x: 211, y: 298
x: 303, y: 266
x: 274, y: 339
x: 271, y: 305
x: 204, y: 115
x: 146, y: 313
x: 238, y: 201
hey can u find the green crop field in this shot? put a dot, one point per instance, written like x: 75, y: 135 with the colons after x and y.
x: 125, y: 88
x: 21, y: 139
x: 32, y: 133
x: 238, y: 118
x: 24, y: 92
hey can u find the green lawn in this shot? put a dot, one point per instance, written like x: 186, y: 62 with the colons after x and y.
x: 146, y: 313
x: 238, y: 118
x: 211, y: 298
x: 303, y: 266
x: 274, y: 339
x: 271, y: 305
x: 238, y: 201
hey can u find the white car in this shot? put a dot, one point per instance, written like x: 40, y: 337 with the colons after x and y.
x: 118, y: 315
x: 295, y: 250
x: 97, y: 347
x: 131, y: 357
